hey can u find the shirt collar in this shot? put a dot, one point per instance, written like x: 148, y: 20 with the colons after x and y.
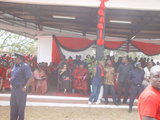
x: 18, y: 65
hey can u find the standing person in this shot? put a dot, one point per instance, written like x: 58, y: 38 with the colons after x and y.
x: 70, y: 63
x: 96, y: 84
x: 77, y: 60
x: 147, y: 69
x: 137, y: 76
x: 109, y: 78
x: 21, y: 77
x: 123, y: 74
x: 6, y: 81
x: 40, y: 80
x: 149, y: 100
x: 2, y: 75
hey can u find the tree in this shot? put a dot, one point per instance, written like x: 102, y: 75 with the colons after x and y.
x: 10, y: 43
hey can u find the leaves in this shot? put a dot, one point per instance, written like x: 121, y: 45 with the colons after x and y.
x: 10, y: 42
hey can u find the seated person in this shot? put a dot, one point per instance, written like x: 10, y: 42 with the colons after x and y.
x: 80, y: 82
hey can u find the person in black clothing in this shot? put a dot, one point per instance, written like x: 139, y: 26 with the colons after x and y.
x: 65, y: 79
x: 123, y: 74
x: 136, y: 77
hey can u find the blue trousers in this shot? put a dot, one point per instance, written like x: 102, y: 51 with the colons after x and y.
x: 94, y: 93
x: 17, y: 104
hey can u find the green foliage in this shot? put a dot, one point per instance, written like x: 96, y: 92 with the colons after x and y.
x: 10, y: 42
x: 91, y: 63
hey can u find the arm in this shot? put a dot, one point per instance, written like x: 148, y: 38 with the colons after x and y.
x: 118, y: 70
x: 148, y: 118
x: 1, y: 80
x: 29, y: 82
x: 28, y: 76
x: 117, y: 76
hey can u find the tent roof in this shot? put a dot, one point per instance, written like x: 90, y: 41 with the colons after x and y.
x: 145, y: 24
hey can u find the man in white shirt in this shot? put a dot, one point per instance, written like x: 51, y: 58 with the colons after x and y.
x: 147, y: 74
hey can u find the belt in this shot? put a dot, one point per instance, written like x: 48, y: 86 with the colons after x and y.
x: 17, y: 86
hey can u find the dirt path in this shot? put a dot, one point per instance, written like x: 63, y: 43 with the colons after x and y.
x: 57, y: 113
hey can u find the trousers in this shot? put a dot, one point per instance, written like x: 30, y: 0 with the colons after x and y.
x: 17, y: 104
x: 135, y: 92
x: 94, y: 93
x: 107, y: 89
x: 123, y: 87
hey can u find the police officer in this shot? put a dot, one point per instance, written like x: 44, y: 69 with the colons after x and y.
x: 136, y: 77
x: 21, y: 78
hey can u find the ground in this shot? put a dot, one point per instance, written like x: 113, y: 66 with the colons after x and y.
x: 58, y: 113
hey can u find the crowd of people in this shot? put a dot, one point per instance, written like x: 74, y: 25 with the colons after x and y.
x: 125, y: 77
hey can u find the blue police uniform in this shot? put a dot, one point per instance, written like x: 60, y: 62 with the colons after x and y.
x: 136, y: 78
x: 19, y: 77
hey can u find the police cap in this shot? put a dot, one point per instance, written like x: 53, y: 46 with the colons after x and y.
x: 18, y: 55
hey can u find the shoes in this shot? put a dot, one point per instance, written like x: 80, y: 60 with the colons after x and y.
x: 130, y: 109
x: 124, y: 101
x: 106, y: 102
x: 65, y: 91
x: 98, y: 102
x: 119, y: 101
x: 89, y: 102
x: 115, y: 103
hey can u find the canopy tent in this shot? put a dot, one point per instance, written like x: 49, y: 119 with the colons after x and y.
x: 133, y: 23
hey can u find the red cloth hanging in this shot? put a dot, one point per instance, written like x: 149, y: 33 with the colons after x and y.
x: 71, y: 43
x: 56, y: 55
x: 113, y: 44
x: 147, y: 48
x: 79, y: 44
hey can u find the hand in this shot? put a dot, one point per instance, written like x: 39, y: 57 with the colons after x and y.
x: 67, y: 78
x: 24, y: 89
x: 10, y: 86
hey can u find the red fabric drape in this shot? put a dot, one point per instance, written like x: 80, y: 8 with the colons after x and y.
x: 147, y: 48
x: 77, y: 44
x: 74, y: 44
x: 56, y: 54
x: 113, y: 45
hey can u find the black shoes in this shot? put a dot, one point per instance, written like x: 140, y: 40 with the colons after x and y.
x: 130, y: 109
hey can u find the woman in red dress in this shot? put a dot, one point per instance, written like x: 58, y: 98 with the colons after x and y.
x: 6, y: 76
x: 80, y: 82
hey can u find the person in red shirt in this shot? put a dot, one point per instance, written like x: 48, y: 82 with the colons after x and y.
x: 6, y: 77
x: 149, y: 100
x: 3, y: 75
x: 80, y: 82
